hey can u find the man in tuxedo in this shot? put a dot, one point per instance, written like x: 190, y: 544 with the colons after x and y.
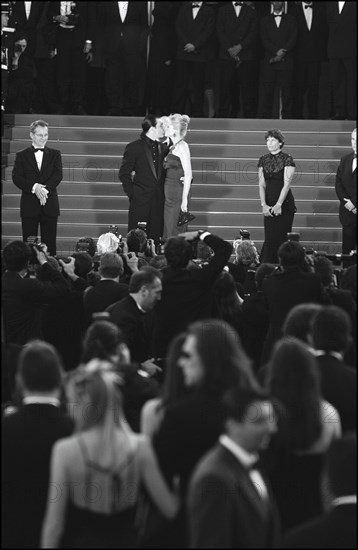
x: 337, y: 527
x: 342, y: 56
x: 195, y: 26
x: 237, y: 31
x: 278, y: 34
x: 230, y: 503
x: 125, y: 27
x: 142, y: 176
x: 37, y: 172
x: 310, y: 52
x: 346, y: 189
x: 28, y: 436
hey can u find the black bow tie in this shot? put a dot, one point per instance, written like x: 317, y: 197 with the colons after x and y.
x: 277, y: 15
x: 238, y: 4
x: 35, y: 150
x: 195, y: 5
x: 308, y: 6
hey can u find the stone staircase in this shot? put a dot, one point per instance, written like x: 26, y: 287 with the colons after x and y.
x: 224, y: 161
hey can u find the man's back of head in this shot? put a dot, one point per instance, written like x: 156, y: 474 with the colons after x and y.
x: 178, y: 252
x: 291, y: 254
x: 331, y: 329
x: 111, y: 265
x: 39, y: 368
x: 16, y: 255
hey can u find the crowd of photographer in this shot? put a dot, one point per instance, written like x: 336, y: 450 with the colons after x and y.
x: 213, y: 319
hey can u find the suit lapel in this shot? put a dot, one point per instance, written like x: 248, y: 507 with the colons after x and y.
x: 31, y: 157
x: 149, y: 158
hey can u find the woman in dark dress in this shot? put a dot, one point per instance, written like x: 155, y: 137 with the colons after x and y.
x: 276, y: 170
x: 178, y: 174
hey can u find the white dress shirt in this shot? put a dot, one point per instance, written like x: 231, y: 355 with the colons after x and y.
x: 39, y: 158
x: 27, y: 9
x: 308, y: 15
x: 123, y: 8
x: 195, y: 11
x: 354, y: 163
x: 278, y: 19
x: 237, y: 9
x: 340, y: 6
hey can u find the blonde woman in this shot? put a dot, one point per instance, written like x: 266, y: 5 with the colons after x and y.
x: 178, y: 179
x: 96, y: 473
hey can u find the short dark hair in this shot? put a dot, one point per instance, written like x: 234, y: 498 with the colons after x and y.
x: 83, y: 263
x: 262, y: 272
x: 101, y: 341
x: 237, y: 400
x: 298, y: 322
x: 92, y: 249
x: 324, y: 268
x: 110, y: 265
x: 331, y: 329
x: 136, y: 240
x: 148, y: 122
x: 16, y: 255
x: 40, y: 367
x: 19, y: 35
x: 340, y: 466
x: 145, y: 276
x: 275, y: 133
x: 291, y: 254
x: 178, y: 252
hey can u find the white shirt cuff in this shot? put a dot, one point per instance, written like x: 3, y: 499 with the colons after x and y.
x: 33, y: 188
x: 203, y: 235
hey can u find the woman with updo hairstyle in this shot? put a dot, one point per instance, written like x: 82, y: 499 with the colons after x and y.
x: 96, y: 473
x: 276, y: 170
x: 178, y: 179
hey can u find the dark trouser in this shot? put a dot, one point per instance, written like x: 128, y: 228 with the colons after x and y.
x: 281, y: 74
x: 306, y: 79
x: 276, y: 229
x: 189, y: 83
x: 233, y: 80
x: 122, y: 82
x: 48, y: 228
x: 151, y: 212
x: 71, y: 67
x: 349, y: 238
x: 343, y: 73
x: 45, y: 100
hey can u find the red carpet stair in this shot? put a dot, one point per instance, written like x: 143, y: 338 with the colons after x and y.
x: 224, y: 161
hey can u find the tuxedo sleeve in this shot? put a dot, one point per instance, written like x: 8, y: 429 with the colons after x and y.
x: 269, y: 46
x: 292, y: 35
x: 19, y: 175
x: 206, y: 32
x: 341, y: 193
x: 126, y: 169
x: 56, y: 174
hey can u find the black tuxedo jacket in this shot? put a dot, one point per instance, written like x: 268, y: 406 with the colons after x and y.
x: 129, y: 35
x: 311, y: 44
x: 342, y: 36
x: 339, y: 387
x: 198, y: 31
x: 186, y: 295
x: 232, y: 30
x: 136, y: 326
x: 101, y: 296
x: 28, y: 26
x: 225, y: 509
x: 85, y: 24
x: 274, y: 38
x: 335, y: 529
x: 346, y: 188
x: 28, y: 436
x: 163, y: 41
x: 26, y: 173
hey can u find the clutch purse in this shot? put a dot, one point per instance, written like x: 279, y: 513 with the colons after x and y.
x: 184, y: 217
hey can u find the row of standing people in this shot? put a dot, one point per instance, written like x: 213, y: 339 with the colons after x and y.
x: 195, y: 49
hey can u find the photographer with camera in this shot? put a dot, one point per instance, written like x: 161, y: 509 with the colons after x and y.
x: 186, y: 293
x: 24, y: 298
x: 20, y: 90
x: 144, y: 248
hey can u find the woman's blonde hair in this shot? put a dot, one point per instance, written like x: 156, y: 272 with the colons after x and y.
x: 107, y: 242
x: 180, y: 123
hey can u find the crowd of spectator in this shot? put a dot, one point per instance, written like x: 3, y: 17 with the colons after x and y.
x: 209, y: 59
x: 139, y: 388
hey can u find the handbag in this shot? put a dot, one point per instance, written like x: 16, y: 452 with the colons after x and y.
x: 184, y: 217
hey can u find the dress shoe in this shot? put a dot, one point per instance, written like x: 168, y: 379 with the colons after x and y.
x: 337, y: 116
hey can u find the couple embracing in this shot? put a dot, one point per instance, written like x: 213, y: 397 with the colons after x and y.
x: 156, y: 176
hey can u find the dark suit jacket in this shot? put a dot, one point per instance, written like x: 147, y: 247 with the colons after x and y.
x: 186, y: 294
x: 28, y: 436
x: 335, y: 529
x: 274, y: 38
x: 285, y: 290
x: 101, y: 296
x: 342, y: 36
x: 198, y: 31
x: 130, y: 35
x: 311, y: 44
x: 23, y: 301
x: 26, y: 173
x: 225, y: 509
x: 135, y: 325
x: 28, y: 26
x: 339, y: 387
x: 163, y: 40
x: 84, y: 20
x: 346, y: 187
x: 232, y: 30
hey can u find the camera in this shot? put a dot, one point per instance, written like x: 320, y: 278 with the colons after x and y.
x: 82, y: 247
x: 142, y: 225
x: 293, y: 237
x: 244, y: 234
x: 160, y: 246
x: 34, y: 245
x: 114, y: 229
x: 120, y: 244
